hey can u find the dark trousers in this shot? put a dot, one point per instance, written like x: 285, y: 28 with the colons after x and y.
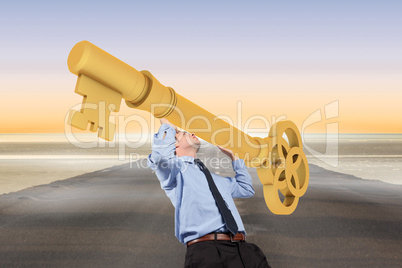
x: 211, y: 254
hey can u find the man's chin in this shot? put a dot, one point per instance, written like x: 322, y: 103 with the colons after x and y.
x: 196, y: 145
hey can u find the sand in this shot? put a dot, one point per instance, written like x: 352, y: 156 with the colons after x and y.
x: 19, y: 174
x: 30, y: 163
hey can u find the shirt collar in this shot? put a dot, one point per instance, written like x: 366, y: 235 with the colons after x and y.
x: 187, y: 158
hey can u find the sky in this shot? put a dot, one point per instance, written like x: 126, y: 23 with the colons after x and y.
x: 258, y: 60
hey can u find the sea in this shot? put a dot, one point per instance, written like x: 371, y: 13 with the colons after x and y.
x: 33, y: 159
x: 366, y: 156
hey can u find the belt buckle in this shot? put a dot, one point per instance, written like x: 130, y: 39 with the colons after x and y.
x: 231, y: 238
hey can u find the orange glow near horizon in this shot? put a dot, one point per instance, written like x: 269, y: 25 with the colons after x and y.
x: 366, y: 104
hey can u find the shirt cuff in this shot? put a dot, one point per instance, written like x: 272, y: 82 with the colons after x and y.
x: 170, y: 134
x: 238, y: 164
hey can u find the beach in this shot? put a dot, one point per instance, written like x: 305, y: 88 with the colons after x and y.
x: 118, y: 216
x: 28, y: 160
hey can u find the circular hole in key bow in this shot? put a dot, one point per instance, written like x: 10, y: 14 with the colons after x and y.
x: 285, y: 136
x: 294, y: 158
x: 284, y: 151
x: 292, y: 180
x: 282, y: 176
x: 281, y: 196
x: 274, y: 154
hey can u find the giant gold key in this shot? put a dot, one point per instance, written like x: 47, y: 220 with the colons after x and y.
x: 104, y: 80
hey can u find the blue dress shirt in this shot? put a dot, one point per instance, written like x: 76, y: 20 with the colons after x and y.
x: 196, y: 212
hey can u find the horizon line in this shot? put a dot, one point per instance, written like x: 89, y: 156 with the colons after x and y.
x: 251, y: 133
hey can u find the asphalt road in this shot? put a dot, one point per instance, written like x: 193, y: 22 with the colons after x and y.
x: 119, y: 217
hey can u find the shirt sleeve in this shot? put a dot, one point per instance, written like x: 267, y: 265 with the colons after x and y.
x: 162, y: 160
x: 242, y: 182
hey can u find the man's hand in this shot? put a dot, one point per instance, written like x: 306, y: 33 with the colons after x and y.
x: 165, y: 121
x: 228, y: 152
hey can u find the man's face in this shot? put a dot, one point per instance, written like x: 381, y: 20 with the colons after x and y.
x: 185, y: 140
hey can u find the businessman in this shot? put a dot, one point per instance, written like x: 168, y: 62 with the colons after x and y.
x: 206, y: 218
